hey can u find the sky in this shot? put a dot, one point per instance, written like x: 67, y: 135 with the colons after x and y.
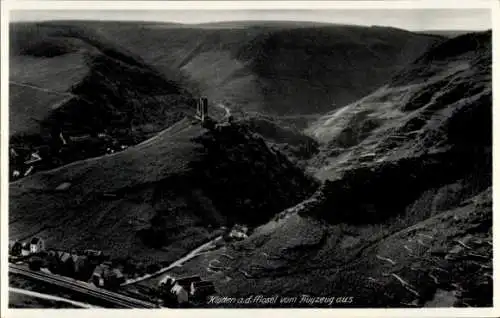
x: 414, y: 19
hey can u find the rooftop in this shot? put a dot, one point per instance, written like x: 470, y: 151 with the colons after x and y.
x: 187, y: 280
x: 35, y: 240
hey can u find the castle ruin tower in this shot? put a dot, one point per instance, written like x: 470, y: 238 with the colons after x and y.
x: 202, y: 109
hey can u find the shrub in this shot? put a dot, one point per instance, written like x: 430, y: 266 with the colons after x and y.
x: 35, y: 263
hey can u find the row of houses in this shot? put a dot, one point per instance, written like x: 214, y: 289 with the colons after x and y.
x: 37, y: 245
x: 33, y: 246
x: 105, y: 275
x: 69, y: 264
x: 185, y: 290
x: 88, y: 265
x: 82, y: 265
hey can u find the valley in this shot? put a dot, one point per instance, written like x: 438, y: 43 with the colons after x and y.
x: 332, y: 160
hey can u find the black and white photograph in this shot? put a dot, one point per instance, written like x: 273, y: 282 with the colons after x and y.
x: 248, y: 158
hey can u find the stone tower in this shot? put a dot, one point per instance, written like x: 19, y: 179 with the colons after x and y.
x: 202, y: 109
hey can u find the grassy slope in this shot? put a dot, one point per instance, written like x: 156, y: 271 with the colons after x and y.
x: 76, y: 60
x: 273, y: 67
x: 129, y: 78
x: 418, y: 113
x: 30, y: 108
x: 37, y: 84
x: 72, y: 78
x: 305, y: 251
x: 148, y: 209
x: 299, y: 255
x: 162, y: 187
x: 276, y: 67
x: 419, y: 210
x: 303, y: 256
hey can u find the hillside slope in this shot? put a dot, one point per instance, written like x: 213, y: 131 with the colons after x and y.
x: 161, y: 197
x: 276, y: 67
x: 404, y: 215
x: 73, y: 80
x: 82, y: 89
x: 439, y: 104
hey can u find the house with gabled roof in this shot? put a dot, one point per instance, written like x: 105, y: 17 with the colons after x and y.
x: 25, y: 249
x: 98, y: 275
x: 180, y: 293
x: 65, y: 257
x: 66, y: 264
x: 15, y: 248
x: 36, y: 245
x: 81, y: 263
x: 105, y: 276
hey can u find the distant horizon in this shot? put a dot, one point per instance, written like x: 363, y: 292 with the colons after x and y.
x: 249, y: 21
x: 411, y: 20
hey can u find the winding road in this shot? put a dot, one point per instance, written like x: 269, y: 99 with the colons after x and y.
x: 177, y: 263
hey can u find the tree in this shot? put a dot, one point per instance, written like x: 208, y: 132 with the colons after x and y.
x: 165, y: 293
x: 35, y: 264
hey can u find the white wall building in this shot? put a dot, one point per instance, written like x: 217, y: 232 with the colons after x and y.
x: 36, y: 245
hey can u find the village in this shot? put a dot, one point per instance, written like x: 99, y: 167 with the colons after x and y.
x: 68, y: 146
x: 87, y: 265
x: 94, y: 267
x: 65, y: 148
